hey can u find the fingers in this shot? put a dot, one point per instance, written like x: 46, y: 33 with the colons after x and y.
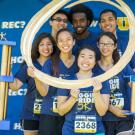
x: 74, y: 93
x: 30, y: 71
x: 97, y: 85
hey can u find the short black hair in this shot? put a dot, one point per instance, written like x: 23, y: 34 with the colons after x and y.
x: 106, y: 11
x: 80, y: 8
x: 60, y: 12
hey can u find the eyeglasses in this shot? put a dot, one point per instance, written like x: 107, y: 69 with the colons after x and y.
x: 58, y: 19
x: 105, y: 44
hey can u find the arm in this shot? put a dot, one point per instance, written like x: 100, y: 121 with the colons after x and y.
x: 41, y: 87
x: 65, y: 104
x: 20, y: 78
x: 118, y: 112
x: 101, y: 103
x: 16, y: 84
x: 101, y: 100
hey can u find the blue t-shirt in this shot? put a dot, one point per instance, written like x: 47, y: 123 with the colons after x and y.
x: 118, y: 87
x: 32, y: 93
x: 90, y: 40
x: 122, y: 42
x: 83, y: 109
x: 49, y: 105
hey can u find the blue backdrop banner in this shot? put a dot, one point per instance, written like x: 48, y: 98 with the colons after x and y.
x: 14, y: 16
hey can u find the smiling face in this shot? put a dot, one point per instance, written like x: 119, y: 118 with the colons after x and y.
x: 80, y: 22
x: 65, y: 42
x: 45, y: 47
x: 86, y: 60
x: 59, y: 21
x: 108, y: 22
x: 106, y: 46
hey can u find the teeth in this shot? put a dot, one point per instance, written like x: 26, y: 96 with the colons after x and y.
x: 65, y: 47
x: 79, y: 28
x: 108, y: 27
x: 85, y: 65
x: 46, y: 51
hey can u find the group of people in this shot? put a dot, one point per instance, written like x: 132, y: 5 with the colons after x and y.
x: 96, y: 110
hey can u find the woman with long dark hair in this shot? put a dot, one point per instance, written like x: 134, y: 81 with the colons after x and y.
x: 62, y: 65
x: 43, y: 47
x: 115, y: 121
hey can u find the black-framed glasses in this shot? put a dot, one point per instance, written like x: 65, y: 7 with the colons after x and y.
x: 58, y: 19
x: 105, y: 44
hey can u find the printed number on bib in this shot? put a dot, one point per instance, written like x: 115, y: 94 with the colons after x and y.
x: 85, y: 124
x: 37, y: 106
x: 55, y: 105
x: 118, y: 102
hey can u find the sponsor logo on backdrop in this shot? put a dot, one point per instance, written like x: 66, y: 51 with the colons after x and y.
x: 20, y: 92
x: 12, y: 25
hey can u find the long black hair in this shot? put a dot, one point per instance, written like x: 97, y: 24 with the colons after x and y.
x: 56, y: 57
x: 115, y: 54
x: 35, y: 52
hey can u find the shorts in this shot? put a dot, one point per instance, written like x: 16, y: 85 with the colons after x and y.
x: 30, y: 125
x: 116, y: 127
x: 50, y: 125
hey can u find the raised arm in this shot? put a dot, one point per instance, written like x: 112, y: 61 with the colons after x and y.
x: 101, y: 100
x: 66, y: 103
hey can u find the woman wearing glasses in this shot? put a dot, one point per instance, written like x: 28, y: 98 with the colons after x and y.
x: 115, y: 121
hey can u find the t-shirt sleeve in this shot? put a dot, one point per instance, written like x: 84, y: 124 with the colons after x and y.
x: 105, y: 88
x: 22, y: 73
x: 128, y: 72
x: 47, y: 67
x: 63, y: 92
x: 132, y: 62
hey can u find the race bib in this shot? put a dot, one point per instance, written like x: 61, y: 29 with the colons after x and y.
x: 37, y: 106
x: 118, y: 102
x: 55, y: 105
x: 85, y: 124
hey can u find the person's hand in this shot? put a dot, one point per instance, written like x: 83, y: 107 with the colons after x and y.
x: 120, y: 113
x: 30, y: 72
x: 74, y: 93
x: 97, y: 86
